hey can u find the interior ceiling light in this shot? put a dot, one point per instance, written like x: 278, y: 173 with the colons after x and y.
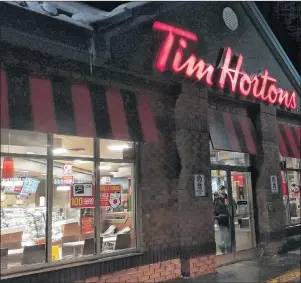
x: 78, y: 161
x: 63, y: 188
x: 104, y: 167
x: 60, y: 150
x: 118, y: 147
x: 30, y: 152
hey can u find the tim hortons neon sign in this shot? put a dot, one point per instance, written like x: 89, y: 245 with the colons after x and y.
x: 226, y: 74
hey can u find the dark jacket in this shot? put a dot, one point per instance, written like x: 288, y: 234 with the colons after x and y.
x: 221, y: 212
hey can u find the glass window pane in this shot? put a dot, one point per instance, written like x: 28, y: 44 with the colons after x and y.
x: 292, y: 163
x: 72, y: 146
x: 112, y: 149
x: 117, y: 206
x: 293, y: 182
x: 23, y: 211
x: 221, y: 157
x: 13, y: 141
x: 73, y: 209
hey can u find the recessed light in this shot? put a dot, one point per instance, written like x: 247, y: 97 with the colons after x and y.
x: 63, y: 188
x: 118, y: 147
x: 104, y: 167
x: 30, y: 152
x: 60, y: 150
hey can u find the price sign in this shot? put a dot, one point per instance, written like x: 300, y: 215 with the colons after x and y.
x: 82, y: 196
x: 199, y: 185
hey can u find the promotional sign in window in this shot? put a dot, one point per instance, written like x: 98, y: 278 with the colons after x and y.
x: 82, y: 196
x: 110, y: 195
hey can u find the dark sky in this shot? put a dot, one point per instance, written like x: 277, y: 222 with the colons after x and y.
x: 289, y: 44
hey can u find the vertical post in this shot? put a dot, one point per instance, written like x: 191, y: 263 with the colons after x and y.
x: 97, y: 195
x: 49, y: 199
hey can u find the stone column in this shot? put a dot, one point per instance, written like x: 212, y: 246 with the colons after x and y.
x: 195, y: 213
x: 270, y: 208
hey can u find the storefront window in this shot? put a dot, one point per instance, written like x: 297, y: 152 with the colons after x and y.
x: 117, y: 206
x: 220, y: 157
x: 291, y: 189
x: 73, y: 208
x: 22, y: 142
x: 112, y: 149
x: 23, y: 211
x: 72, y: 146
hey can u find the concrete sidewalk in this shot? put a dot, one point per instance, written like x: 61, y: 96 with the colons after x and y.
x: 258, y: 270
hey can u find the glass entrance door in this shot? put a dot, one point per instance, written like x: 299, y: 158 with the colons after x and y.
x: 233, y: 190
x: 243, y: 216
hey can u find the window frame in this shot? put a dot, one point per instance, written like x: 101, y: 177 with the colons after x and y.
x: 285, y: 172
x: 98, y: 256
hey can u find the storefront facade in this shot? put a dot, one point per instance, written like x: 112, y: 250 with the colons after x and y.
x: 157, y: 129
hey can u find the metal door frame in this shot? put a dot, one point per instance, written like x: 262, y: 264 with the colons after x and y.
x: 229, y: 169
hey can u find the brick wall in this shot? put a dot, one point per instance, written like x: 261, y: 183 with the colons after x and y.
x: 156, y: 272
x: 202, y: 265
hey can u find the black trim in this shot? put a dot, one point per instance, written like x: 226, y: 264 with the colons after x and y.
x: 239, y: 134
x: 20, y: 112
x: 293, y: 230
x: 218, y: 133
x: 100, y: 111
x: 132, y: 116
x: 63, y: 106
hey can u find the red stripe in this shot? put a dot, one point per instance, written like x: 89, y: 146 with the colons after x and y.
x: 42, y: 105
x: 147, y: 120
x: 82, y: 109
x: 117, y: 115
x: 281, y: 144
x: 247, y: 132
x: 231, y: 132
x: 4, y: 100
x: 292, y: 141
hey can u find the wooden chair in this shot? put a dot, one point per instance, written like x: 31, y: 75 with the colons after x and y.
x: 34, y: 254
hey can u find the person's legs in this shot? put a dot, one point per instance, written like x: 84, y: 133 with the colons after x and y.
x: 222, y: 243
x: 225, y: 238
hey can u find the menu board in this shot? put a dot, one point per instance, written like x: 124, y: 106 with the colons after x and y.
x: 30, y: 186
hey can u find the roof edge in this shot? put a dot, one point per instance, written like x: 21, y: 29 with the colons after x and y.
x: 272, y: 41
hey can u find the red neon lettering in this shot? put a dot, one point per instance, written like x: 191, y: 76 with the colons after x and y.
x: 191, y: 65
x: 261, y: 87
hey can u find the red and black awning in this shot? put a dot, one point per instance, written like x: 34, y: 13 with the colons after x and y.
x: 289, y: 140
x: 57, y: 105
x: 232, y: 132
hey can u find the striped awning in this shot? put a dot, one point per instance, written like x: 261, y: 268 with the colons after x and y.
x: 289, y: 140
x: 57, y: 105
x: 232, y: 132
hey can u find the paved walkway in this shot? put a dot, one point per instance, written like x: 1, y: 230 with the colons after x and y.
x: 282, y: 268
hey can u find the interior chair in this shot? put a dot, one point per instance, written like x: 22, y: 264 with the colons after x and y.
x: 34, y: 254
x: 123, y: 241
x: 90, y: 246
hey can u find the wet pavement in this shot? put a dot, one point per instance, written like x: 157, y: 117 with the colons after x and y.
x: 260, y: 270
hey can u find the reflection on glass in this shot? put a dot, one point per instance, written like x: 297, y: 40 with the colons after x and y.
x: 23, y: 142
x: 73, y: 209
x: 243, y: 220
x: 72, y: 146
x: 221, y: 157
x: 292, y: 163
x: 23, y: 211
x: 112, y: 149
x: 116, y: 206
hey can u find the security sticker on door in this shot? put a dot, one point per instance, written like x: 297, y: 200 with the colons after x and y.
x: 199, y: 185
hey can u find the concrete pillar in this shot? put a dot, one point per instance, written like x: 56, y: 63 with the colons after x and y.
x: 195, y: 213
